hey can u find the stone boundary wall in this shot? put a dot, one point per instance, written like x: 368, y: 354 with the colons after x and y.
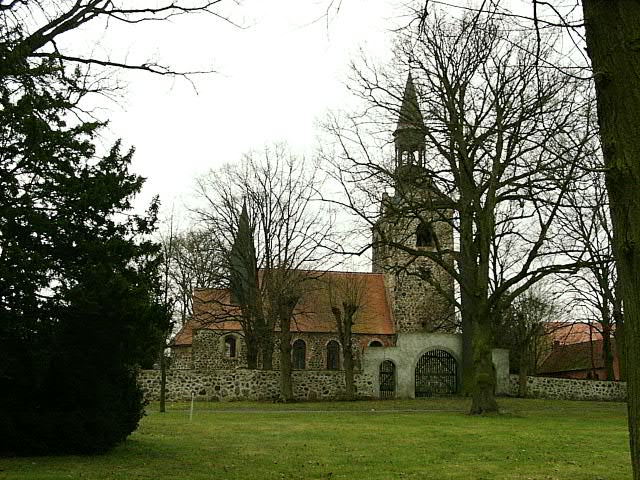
x: 244, y: 384
x: 569, y: 389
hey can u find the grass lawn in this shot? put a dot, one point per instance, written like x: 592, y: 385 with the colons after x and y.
x: 425, y: 439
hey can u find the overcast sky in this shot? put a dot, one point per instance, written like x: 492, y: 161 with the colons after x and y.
x: 278, y: 76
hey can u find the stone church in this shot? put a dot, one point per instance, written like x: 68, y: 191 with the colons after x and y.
x: 404, y: 337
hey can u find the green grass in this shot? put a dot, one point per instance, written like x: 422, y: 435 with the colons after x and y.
x: 428, y: 439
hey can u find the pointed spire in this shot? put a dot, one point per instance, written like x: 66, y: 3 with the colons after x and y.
x: 410, y: 115
x: 409, y: 136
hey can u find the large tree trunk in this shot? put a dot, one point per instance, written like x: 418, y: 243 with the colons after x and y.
x: 252, y: 351
x: 266, y: 343
x: 479, y: 377
x: 344, y: 322
x: 613, y: 42
x: 467, y: 346
x: 267, y: 350
x: 467, y: 267
x: 618, y: 319
x: 484, y: 375
x: 620, y: 349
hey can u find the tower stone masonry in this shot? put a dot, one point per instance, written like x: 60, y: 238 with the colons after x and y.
x: 415, y: 222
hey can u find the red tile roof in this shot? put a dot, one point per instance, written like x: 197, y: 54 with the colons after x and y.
x: 575, y: 356
x: 184, y: 337
x: 213, y: 310
x: 568, y: 333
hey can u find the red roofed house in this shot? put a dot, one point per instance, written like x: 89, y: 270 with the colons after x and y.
x: 576, y: 351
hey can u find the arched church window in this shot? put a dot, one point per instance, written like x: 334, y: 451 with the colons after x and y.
x: 298, y: 354
x: 230, y: 346
x: 425, y: 236
x: 333, y: 355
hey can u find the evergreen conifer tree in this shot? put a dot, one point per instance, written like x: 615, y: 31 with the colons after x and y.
x: 79, y: 288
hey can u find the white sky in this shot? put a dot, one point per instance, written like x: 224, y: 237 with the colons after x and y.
x: 278, y: 77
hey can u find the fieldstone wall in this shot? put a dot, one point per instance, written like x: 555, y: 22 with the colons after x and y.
x: 316, y: 347
x: 181, y: 358
x: 417, y: 305
x: 209, y: 350
x: 568, y: 389
x: 244, y: 384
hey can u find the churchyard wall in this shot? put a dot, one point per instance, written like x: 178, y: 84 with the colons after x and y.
x: 569, y: 389
x: 244, y: 384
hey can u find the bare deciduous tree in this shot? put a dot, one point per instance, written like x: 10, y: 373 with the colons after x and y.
x: 346, y: 293
x: 502, y: 141
x: 37, y: 32
x: 587, y: 224
x: 610, y: 31
x: 194, y: 263
x: 291, y: 232
x: 521, y: 329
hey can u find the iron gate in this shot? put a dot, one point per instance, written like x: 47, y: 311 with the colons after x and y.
x: 436, y: 374
x: 387, y: 379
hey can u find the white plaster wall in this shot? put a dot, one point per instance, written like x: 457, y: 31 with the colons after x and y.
x: 500, y: 357
x: 408, y: 350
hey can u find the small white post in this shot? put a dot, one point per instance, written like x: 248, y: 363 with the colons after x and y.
x: 193, y: 397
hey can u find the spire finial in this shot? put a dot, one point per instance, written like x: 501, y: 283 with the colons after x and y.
x: 410, y: 115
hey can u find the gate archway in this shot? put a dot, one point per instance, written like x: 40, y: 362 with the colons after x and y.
x: 436, y: 374
x: 387, y: 377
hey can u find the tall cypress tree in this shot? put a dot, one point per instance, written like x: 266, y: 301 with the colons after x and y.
x: 244, y: 287
x: 243, y: 262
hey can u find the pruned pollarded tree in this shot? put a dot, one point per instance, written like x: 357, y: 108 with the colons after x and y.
x: 501, y: 142
x: 346, y: 294
x: 289, y: 232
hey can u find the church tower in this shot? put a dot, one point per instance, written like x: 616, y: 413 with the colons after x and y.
x: 416, y: 217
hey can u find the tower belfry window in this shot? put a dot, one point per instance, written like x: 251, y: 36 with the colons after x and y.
x: 425, y: 236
